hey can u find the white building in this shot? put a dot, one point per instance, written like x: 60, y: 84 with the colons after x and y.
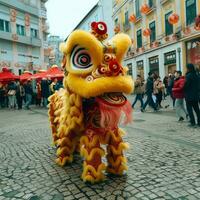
x: 102, y: 11
x: 23, y: 34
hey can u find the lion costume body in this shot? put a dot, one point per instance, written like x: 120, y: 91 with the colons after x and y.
x: 86, y: 113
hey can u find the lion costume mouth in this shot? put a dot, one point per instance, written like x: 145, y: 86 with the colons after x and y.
x: 100, y: 86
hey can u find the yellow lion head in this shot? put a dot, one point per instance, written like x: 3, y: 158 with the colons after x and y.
x: 94, y: 67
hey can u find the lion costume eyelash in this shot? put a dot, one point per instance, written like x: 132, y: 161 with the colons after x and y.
x: 86, y: 113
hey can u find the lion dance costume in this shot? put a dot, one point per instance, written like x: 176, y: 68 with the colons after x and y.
x: 85, y: 114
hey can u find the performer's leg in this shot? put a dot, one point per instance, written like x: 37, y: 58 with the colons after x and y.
x: 66, y: 146
x: 115, y: 157
x: 92, y: 152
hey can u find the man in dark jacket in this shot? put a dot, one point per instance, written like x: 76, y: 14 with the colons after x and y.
x: 149, y: 92
x: 45, y: 91
x: 191, y: 89
x: 28, y: 93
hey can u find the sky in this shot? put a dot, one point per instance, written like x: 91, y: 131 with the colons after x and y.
x: 64, y: 15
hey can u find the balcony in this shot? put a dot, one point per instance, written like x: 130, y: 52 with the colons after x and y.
x: 43, y: 13
x: 164, y: 1
x: 21, y: 6
x: 45, y: 45
x: 6, y: 35
x: 45, y: 28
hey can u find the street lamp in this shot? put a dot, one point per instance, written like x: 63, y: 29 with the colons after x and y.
x: 179, y: 58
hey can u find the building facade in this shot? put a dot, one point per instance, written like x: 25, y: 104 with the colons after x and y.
x: 168, y: 47
x: 23, y: 35
x: 55, y: 55
x: 102, y: 11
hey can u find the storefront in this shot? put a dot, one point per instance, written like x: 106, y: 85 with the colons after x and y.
x: 193, y: 52
x: 170, y: 62
x: 154, y: 65
x: 140, y: 68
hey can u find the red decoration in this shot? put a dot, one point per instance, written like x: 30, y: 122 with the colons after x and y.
x: 144, y: 9
x: 114, y: 67
x: 173, y: 18
x: 197, y: 23
x: 147, y: 32
x: 132, y: 18
x: 99, y: 27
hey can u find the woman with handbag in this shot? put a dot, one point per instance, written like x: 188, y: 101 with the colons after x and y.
x: 11, y: 94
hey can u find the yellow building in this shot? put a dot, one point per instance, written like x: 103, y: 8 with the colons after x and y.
x: 166, y: 47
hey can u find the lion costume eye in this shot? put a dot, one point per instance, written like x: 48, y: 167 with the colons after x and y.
x: 80, y: 58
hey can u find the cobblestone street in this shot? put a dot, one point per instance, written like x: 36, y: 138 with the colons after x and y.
x: 163, y: 160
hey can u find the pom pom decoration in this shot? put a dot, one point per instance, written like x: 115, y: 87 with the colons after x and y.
x: 147, y: 32
x: 197, y: 23
x: 132, y: 18
x: 173, y: 18
x: 144, y: 9
x: 86, y: 113
x: 99, y: 29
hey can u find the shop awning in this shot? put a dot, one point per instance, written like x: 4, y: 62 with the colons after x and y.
x: 25, y: 76
x: 54, y: 72
x: 6, y: 75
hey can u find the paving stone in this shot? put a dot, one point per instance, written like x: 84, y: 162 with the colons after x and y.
x: 163, y: 161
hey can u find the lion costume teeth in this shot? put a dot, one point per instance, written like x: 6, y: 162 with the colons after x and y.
x: 86, y: 113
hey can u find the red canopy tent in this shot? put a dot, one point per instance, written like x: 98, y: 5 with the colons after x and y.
x: 40, y: 75
x: 55, y: 72
x: 25, y: 76
x: 6, y: 75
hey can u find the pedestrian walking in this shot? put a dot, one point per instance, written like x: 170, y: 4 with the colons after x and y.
x: 11, y: 94
x: 191, y: 89
x: 158, y: 91
x: 45, y: 91
x: 165, y: 82
x: 28, y: 93
x: 138, y: 91
x: 170, y: 86
x: 39, y: 94
x: 149, y: 92
x: 20, y: 93
x: 2, y: 95
x: 178, y: 94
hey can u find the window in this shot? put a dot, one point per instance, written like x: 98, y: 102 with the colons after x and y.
x: 130, y: 70
x: 4, y: 25
x: 20, y: 30
x: 152, y: 27
x: 116, y: 21
x: 151, y: 3
x: 34, y: 33
x: 190, y: 11
x: 168, y: 26
x: 126, y: 17
x: 139, y: 38
x: 137, y: 8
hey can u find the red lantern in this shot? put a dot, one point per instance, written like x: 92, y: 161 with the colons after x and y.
x: 197, y: 23
x: 146, y: 32
x: 173, y: 18
x: 117, y: 29
x: 144, y: 9
x: 132, y: 18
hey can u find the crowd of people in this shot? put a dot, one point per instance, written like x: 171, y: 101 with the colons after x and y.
x: 18, y: 95
x: 182, y: 90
